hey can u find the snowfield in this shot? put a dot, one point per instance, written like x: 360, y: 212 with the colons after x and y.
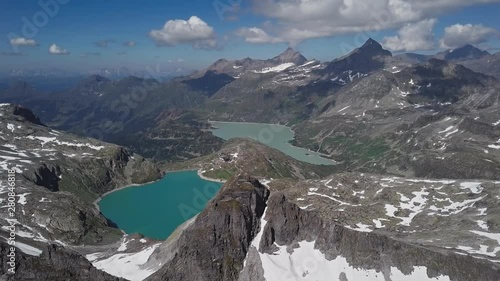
x: 128, y: 266
x: 278, y: 68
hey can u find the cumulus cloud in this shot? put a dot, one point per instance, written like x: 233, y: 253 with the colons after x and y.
x: 459, y: 35
x: 129, y: 43
x: 257, y: 35
x: 21, y: 41
x: 193, y: 31
x: 56, y: 50
x: 412, y: 37
x: 299, y: 20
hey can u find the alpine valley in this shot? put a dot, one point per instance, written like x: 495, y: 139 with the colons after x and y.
x: 409, y: 188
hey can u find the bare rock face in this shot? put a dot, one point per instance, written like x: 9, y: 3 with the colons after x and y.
x: 216, y: 244
x: 248, y: 234
x: 60, y: 175
x: 290, y: 55
x: 55, y: 264
x: 287, y: 225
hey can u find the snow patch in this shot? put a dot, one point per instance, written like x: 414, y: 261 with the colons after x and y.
x: 27, y: 249
x: 11, y: 127
x: 474, y: 187
x: 128, y: 266
x: 306, y: 263
x: 278, y: 68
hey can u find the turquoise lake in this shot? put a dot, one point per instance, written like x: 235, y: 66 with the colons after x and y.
x: 157, y: 209
x: 275, y: 136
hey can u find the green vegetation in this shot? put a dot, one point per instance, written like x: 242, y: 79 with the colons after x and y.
x: 364, y: 149
x: 221, y: 174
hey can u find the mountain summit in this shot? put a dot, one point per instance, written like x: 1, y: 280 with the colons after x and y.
x: 290, y: 55
x: 373, y: 48
x: 466, y: 52
x: 364, y: 59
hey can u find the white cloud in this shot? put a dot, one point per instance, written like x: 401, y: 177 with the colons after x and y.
x: 56, y: 50
x: 21, y: 41
x: 298, y: 20
x: 412, y: 37
x: 459, y: 35
x: 257, y: 35
x: 193, y: 31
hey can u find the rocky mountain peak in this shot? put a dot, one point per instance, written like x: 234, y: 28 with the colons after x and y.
x: 466, y: 52
x: 373, y: 48
x: 7, y: 110
x: 290, y: 55
x: 363, y: 60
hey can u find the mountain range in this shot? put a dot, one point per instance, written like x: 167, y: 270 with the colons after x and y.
x: 413, y: 194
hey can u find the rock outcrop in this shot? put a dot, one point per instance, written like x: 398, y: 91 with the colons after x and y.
x: 215, y: 245
x: 54, y: 264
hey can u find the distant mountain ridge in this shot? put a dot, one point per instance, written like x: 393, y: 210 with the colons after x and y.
x: 286, y: 89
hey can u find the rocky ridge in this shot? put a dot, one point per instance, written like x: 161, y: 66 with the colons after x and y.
x: 59, y: 176
x: 280, y: 239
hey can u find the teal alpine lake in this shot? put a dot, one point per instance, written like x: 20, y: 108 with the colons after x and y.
x: 275, y: 136
x: 157, y: 209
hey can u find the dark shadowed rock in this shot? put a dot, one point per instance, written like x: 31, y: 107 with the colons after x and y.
x: 216, y: 244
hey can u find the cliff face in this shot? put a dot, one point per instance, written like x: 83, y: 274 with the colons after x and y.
x: 288, y: 225
x: 214, y: 247
x: 60, y: 175
x: 55, y: 264
x: 246, y: 234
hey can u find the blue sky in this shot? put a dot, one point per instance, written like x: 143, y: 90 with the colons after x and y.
x: 248, y: 28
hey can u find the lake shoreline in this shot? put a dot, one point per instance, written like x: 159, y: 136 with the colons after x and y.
x: 253, y: 123
x: 200, y: 174
x: 325, y: 158
x: 96, y: 202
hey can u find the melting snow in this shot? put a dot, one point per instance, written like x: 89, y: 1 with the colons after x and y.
x: 449, y: 131
x: 10, y: 127
x: 46, y: 140
x: 129, y: 266
x: 278, y: 68
x: 123, y: 245
x: 22, y: 199
x: 492, y: 236
x: 306, y: 263
x: 347, y: 107
x: 455, y: 207
x: 483, y: 250
x: 475, y: 187
x: 482, y: 224
x: 29, y: 250
x: 360, y: 227
x: 378, y: 223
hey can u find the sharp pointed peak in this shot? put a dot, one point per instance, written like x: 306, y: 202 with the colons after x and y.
x: 290, y: 50
x: 371, y: 43
x: 372, y: 48
x: 291, y: 55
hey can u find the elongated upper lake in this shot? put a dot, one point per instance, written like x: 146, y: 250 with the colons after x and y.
x: 275, y: 136
x: 157, y: 209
